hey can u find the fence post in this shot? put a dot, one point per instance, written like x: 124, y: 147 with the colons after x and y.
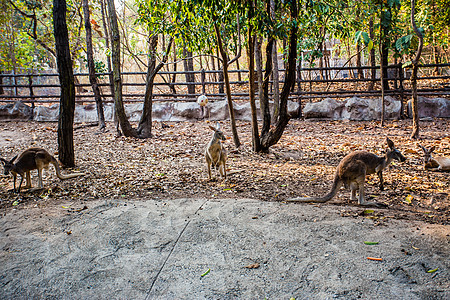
x: 30, y: 87
x: 203, y: 78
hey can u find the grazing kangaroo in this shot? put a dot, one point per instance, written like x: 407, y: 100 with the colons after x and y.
x: 32, y: 159
x: 215, y: 153
x: 352, y: 170
x: 438, y: 163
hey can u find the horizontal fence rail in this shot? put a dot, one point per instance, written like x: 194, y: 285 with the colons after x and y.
x: 311, y: 83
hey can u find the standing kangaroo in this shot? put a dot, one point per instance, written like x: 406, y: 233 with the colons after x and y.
x: 215, y: 153
x: 438, y: 163
x: 352, y: 170
x: 32, y: 159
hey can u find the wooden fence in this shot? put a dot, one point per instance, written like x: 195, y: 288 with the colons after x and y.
x: 311, y: 83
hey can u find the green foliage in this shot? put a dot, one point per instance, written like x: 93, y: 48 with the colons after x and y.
x: 363, y: 37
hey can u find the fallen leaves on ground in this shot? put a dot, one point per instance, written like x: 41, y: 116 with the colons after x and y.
x: 171, y: 165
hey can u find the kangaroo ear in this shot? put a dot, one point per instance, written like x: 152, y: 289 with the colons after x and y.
x: 423, y: 148
x: 432, y: 149
x: 390, y: 143
x: 4, y: 161
x: 13, y: 159
x: 212, y: 128
x: 218, y: 126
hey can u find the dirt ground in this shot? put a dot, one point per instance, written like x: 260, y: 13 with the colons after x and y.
x: 171, y: 165
x: 146, y: 223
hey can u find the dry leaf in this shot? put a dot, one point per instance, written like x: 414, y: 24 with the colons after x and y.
x: 253, y: 266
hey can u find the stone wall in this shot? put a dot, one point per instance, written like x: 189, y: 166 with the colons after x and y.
x: 349, y: 109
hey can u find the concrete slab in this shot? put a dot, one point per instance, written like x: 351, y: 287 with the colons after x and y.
x: 157, y: 249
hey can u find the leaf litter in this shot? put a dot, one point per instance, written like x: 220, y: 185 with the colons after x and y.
x: 171, y: 165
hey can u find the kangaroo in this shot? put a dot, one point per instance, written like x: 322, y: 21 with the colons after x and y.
x: 215, y: 153
x: 32, y: 159
x: 438, y: 163
x: 352, y: 170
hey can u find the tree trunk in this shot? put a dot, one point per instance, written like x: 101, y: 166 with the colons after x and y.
x: 385, y: 50
x: 223, y: 53
x: 145, y: 124
x: 108, y: 64
x: 220, y: 77
x: 91, y: 66
x: 174, y: 76
x: 276, y: 82
x: 2, y: 91
x: 189, y: 67
x: 372, y: 57
x: 67, y: 100
x: 382, y: 85
x: 258, y: 65
x: 415, y: 63
x: 264, y: 100
x: 256, y: 143
x: 274, y: 135
x: 127, y: 129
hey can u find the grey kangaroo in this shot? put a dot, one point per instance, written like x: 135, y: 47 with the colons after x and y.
x: 438, y: 163
x: 352, y: 170
x: 215, y: 153
x: 33, y: 159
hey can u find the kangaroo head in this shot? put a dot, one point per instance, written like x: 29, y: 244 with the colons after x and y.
x: 8, y: 165
x: 427, y: 153
x: 218, y: 134
x: 393, y: 153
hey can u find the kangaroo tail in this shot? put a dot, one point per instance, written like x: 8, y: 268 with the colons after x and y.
x: 58, y: 171
x: 337, y: 183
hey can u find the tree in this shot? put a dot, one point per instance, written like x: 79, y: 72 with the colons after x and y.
x: 145, y: 124
x: 256, y: 143
x: 67, y: 101
x: 415, y: 67
x: 91, y: 66
x: 271, y: 135
x: 125, y: 125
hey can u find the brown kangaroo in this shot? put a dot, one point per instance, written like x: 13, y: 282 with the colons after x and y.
x: 352, y: 170
x: 215, y: 153
x: 33, y: 159
x: 438, y: 163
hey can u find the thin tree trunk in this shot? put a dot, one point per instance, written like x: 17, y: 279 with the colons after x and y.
x: 264, y: 100
x: 256, y: 143
x: 274, y: 135
x: 127, y: 129
x: 372, y: 56
x: 2, y: 91
x: 385, y: 54
x: 415, y: 63
x: 145, y: 124
x: 108, y: 64
x: 67, y: 99
x: 220, y: 77
x: 275, y: 71
x: 258, y: 65
x: 382, y: 85
x: 223, y: 53
x: 174, y: 76
x: 91, y: 66
x: 189, y: 67
x: 276, y: 82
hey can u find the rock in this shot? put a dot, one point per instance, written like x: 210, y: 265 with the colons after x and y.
x: 16, y: 111
x: 88, y: 113
x: 327, y: 108
x: 46, y: 113
x: 360, y: 109
x: 352, y: 109
x: 431, y: 108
